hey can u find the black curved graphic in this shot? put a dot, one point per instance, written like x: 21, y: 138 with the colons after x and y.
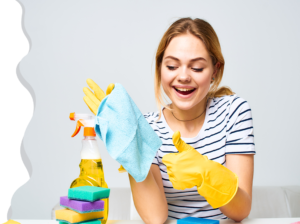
x: 16, y: 43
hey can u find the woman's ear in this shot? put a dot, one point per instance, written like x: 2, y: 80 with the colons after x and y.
x: 216, y: 69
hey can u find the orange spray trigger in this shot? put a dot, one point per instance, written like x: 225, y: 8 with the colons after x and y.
x: 78, y: 126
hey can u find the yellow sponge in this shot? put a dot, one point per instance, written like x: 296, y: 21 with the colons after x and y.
x: 11, y: 222
x: 67, y: 215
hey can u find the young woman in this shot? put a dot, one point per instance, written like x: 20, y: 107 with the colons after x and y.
x: 215, y: 126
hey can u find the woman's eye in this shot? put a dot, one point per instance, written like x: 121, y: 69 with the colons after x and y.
x: 198, y: 69
x: 171, y: 67
x: 195, y: 69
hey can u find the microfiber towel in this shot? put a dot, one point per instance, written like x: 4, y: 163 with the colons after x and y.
x: 128, y: 137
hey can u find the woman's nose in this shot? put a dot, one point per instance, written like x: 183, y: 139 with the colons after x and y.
x: 183, y: 75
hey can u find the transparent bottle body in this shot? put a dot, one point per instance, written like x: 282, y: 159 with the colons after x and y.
x: 91, y: 170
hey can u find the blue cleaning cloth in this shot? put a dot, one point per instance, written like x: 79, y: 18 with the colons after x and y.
x: 194, y: 220
x: 128, y: 137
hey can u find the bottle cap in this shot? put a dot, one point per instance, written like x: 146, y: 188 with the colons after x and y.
x: 89, y: 131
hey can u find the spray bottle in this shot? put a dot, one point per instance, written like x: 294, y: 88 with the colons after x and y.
x: 91, y: 168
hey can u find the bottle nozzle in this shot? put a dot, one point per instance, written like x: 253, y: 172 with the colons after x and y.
x: 85, y: 120
x: 72, y: 116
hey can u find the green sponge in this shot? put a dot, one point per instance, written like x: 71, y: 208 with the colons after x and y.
x: 88, y: 193
x: 87, y: 222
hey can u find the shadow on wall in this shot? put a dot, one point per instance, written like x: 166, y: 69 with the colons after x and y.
x: 17, y: 99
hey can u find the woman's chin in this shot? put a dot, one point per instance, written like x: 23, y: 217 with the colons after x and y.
x: 183, y: 105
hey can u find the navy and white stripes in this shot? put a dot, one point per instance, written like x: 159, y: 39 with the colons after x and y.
x: 227, y: 129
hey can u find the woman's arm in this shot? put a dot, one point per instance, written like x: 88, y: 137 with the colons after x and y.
x: 239, y: 207
x: 149, y: 197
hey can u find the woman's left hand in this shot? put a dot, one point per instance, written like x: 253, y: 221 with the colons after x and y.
x: 183, y: 167
x: 188, y: 168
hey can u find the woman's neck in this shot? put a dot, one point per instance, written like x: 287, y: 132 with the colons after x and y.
x: 191, y: 114
x: 191, y: 122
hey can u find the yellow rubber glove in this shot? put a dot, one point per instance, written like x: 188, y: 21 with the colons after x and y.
x: 188, y: 168
x: 93, y: 100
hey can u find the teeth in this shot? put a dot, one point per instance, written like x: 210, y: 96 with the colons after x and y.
x: 180, y: 89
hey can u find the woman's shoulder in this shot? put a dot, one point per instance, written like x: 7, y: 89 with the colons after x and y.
x: 231, y: 106
x: 229, y: 101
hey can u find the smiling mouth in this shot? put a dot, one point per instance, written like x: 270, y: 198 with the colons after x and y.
x: 184, y: 91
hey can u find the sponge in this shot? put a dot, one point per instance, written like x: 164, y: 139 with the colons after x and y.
x: 88, y: 222
x: 193, y: 220
x: 88, y: 193
x: 82, y: 206
x: 11, y: 222
x: 69, y: 216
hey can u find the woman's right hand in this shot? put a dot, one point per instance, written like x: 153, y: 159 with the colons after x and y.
x: 93, y: 100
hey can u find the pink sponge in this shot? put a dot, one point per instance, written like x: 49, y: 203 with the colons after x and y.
x: 82, y: 206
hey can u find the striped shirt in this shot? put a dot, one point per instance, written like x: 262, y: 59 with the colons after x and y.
x: 227, y: 129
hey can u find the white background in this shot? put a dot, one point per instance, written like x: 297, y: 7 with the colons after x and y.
x: 116, y: 42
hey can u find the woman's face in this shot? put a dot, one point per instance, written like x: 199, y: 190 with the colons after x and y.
x: 186, y: 71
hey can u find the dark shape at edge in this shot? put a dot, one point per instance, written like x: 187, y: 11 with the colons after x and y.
x: 25, y: 85
x: 8, y: 213
x: 24, y: 159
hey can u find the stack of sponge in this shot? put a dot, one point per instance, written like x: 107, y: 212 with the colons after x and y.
x: 82, y: 205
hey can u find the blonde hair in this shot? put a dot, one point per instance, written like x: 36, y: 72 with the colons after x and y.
x: 204, y: 31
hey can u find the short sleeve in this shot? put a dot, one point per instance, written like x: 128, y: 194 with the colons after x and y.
x: 239, y: 130
x: 150, y: 119
x: 155, y: 159
x: 148, y: 116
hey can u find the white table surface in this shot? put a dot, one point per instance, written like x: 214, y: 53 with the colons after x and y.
x: 246, y: 221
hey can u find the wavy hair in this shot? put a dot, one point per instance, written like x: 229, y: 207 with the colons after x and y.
x: 204, y: 31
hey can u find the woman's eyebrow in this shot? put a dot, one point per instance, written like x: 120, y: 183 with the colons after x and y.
x: 176, y: 59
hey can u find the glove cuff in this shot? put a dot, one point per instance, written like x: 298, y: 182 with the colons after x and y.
x: 122, y: 170
x: 217, y: 197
